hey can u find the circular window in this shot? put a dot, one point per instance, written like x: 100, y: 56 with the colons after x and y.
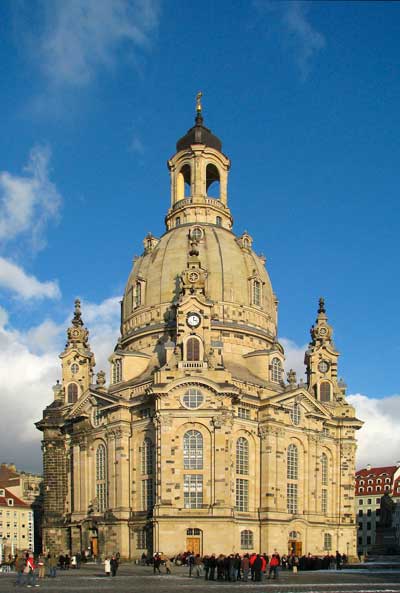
x: 74, y: 368
x: 295, y: 414
x: 193, y: 398
x: 196, y: 234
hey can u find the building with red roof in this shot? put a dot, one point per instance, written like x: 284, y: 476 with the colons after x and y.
x: 16, y: 523
x: 371, y: 484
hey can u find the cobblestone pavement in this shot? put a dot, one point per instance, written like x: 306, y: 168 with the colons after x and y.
x: 139, y: 579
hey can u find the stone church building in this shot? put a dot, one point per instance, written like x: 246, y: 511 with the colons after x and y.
x: 200, y: 442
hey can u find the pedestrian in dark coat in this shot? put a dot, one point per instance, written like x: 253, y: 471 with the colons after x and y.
x: 257, y: 566
x: 113, y: 565
x: 212, y: 563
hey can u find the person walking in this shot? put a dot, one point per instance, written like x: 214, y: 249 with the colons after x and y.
x: 168, y: 565
x: 156, y: 564
x: 31, y: 571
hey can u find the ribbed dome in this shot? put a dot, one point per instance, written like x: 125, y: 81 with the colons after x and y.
x: 229, y: 267
x: 199, y: 134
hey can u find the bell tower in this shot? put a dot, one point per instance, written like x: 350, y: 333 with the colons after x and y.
x: 321, y: 360
x: 199, y: 178
x: 77, y: 361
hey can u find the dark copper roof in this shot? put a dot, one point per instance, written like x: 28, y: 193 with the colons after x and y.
x: 199, y: 134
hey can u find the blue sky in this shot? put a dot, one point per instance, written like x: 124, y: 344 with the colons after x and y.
x: 305, y: 98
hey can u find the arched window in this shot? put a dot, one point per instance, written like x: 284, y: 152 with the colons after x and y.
x: 117, y: 370
x: 178, y: 221
x: 138, y: 293
x: 327, y: 542
x: 212, y: 181
x: 196, y: 234
x: 324, y: 469
x: 325, y: 391
x: 242, y: 456
x: 193, y: 450
x: 72, y: 393
x: 276, y: 370
x: 101, y: 484
x: 292, y: 463
x: 295, y: 414
x: 378, y: 488
x: 256, y: 292
x: 246, y: 539
x: 193, y: 349
x: 183, y: 183
x: 293, y: 535
x: 324, y: 501
x: 218, y: 221
x: 147, y: 457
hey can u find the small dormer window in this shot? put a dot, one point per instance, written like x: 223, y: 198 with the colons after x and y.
x: 117, y: 371
x: 138, y: 293
x: 256, y: 292
x: 10, y: 502
x: 2, y: 492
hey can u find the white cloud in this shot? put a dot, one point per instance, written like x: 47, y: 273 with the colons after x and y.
x: 13, y: 278
x: 29, y: 366
x: 82, y: 35
x: 302, y: 39
x: 294, y: 355
x: 379, y: 438
x: 305, y: 39
x: 29, y: 201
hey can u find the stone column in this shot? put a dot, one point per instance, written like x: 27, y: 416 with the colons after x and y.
x: 122, y: 489
x: 111, y: 469
x: 76, y: 479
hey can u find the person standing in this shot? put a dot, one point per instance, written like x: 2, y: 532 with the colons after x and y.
x: 257, y: 566
x: 52, y: 564
x: 245, y: 566
x: 20, y: 564
x: 156, y: 564
x: 273, y: 567
x: 212, y: 563
x: 107, y: 566
x: 42, y: 567
x: 31, y: 566
x: 338, y: 559
x: 114, y: 565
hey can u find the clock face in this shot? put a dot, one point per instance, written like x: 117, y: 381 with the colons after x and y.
x: 323, y: 366
x: 193, y: 277
x: 322, y: 331
x: 193, y: 320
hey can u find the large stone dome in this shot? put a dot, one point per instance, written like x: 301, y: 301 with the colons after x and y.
x: 231, y: 269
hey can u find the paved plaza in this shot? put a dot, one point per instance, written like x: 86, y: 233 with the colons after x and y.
x: 132, y: 579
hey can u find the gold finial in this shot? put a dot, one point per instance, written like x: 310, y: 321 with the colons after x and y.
x: 198, y: 101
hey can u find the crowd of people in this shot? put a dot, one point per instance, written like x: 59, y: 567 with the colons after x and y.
x: 234, y: 567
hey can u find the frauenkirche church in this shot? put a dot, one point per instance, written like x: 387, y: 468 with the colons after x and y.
x: 200, y: 442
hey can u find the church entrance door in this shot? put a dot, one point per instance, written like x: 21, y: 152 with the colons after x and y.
x: 294, y: 547
x: 193, y: 540
x: 193, y: 545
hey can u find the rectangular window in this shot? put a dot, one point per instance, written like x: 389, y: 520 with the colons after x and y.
x: 369, y: 526
x: 147, y: 494
x: 368, y: 539
x: 244, y: 413
x: 141, y: 539
x: 368, y: 512
x: 360, y: 513
x: 193, y: 491
x: 369, y: 501
x: 360, y: 501
x: 242, y: 494
x: 324, y: 501
x: 360, y: 541
x: 292, y: 498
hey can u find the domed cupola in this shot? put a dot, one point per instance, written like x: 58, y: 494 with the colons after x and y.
x: 199, y: 134
x: 199, y: 178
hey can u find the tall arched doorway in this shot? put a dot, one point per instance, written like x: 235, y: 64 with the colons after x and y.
x: 294, y: 543
x: 194, y: 540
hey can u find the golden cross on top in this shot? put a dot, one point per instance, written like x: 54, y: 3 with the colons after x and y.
x: 198, y: 101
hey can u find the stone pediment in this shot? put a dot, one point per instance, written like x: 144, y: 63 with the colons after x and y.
x: 301, y: 396
x: 89, y: 400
